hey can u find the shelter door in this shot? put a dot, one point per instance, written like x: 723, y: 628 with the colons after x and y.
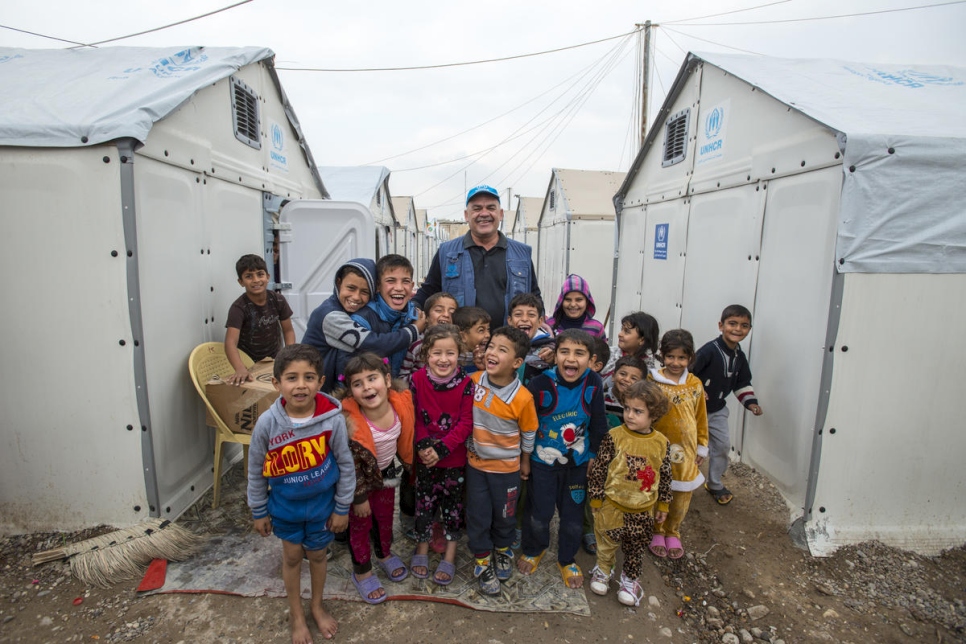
x: 316, y: 238
x: 724, y: 245
x: 665, y: 246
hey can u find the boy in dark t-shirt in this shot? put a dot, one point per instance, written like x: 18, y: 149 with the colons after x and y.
x: 259, y: 322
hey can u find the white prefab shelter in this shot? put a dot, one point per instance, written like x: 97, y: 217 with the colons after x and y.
x: 576, y: 234
x: 132, y: 180
x: 426, y: 244
x: 407, y: 229
x: 827, y: 197
x: 526, y: 219
x: 369, y: 186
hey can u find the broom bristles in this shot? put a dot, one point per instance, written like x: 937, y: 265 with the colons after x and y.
x: 124, y: 554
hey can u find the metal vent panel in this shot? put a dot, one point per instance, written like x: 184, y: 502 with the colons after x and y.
x: 676, y: 137
x: 245, y: 113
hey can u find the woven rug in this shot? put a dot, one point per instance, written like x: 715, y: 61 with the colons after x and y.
x: 250, y: 565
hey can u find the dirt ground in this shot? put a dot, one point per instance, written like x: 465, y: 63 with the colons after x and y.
x: 743, y: 580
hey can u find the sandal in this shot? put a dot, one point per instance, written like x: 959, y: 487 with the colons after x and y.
x: 630, y: 593
x: 419, y: 561
x: 570, y: 572
x: 599, y: 581
x: 722, y: 496
x: 445, y: 568
x: 658, y: 546
x: 393, y: 564
x: 367, y: 586
x: 533, y: 562
x: 674, y: 544
x: 590, y: 543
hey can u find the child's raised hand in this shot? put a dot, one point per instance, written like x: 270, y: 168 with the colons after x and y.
x: 659, y: 516
x: 546, y: 354
x: 263, y: 526
x: 362, y: 509
x: 421, y: 321
x: 240, y: 376
x: 338, y: 522
x: 479, y: 359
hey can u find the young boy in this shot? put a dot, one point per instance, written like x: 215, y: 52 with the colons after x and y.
x: 504, y: 422
x: 627, y: 370
x: 439, y: 308
x: 601, y: 355
x: 570, y: 408
x: 723, y: 368
x: 259, y: 321
x: 527, y: 314
x: 333, y: 331
x: 301, y: 479
x: 474, y: 325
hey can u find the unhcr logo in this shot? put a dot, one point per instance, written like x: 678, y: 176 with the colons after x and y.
x: 712, y: 124
x: 278, y: 137
x: 186, y: 60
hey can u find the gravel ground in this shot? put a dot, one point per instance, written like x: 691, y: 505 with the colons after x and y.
x: 742, y: 581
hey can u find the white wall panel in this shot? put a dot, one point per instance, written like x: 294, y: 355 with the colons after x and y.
x: 663, y: 279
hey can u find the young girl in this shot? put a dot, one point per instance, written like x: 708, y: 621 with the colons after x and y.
x: 686, y: 427
x: 443, y: 394
x: 380, y: 422
x: 575, y: 308
x: 629, y: 481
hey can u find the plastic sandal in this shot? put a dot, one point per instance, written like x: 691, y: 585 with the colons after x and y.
x: 673, y: 543
x: 658, y: 546
x: 722, y: 496
x: 533, y: 562
x: 391, y: 565
x: 630, y: 592
x: 417, y: 561
x: 369, y: 585
x: 446, y: 568
x: 590, y: 544
x: 599, y: 582
x: 570, y: 572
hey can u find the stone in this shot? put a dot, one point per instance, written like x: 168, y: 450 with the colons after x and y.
x: 746, y: 637
x: 667, y: 632
x: 748, y: 593
x: 46, y: 621
x: 757, y: 612
x: 713, y: 612
x: 830, y: 614
x: 730, y: 638
x: 653, y: 601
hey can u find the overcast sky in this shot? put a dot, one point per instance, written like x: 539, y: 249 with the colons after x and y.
x: 571, y: 109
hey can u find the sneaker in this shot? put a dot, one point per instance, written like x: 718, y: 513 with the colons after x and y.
x: 518, y: 540
x: 503, y: 563
x: 599, y: 581
x: 630, y: 592
x: 489, y: 584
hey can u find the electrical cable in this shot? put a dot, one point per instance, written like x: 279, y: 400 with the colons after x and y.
x: 34, y: 33
x: 843, y: 15
x: 724, y: 13
x: 460, y: 64
x: 746, y: 51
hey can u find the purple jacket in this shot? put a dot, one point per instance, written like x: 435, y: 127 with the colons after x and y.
x: 559, y: 321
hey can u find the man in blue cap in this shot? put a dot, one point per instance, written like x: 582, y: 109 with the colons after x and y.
x: 483, y: 267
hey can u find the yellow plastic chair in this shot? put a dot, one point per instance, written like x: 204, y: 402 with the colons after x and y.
x: 205, y: 362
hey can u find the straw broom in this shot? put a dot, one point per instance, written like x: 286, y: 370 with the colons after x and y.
x: 124, y: 554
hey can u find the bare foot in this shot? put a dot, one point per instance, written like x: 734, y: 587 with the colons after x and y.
x: 527, y: 565
x: 572, y: 576
x: 326, y: 623
x: 300, y: 632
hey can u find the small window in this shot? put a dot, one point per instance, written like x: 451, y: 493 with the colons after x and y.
x: 676, y: 138
x: 244, y: 111
x: 553, y: 200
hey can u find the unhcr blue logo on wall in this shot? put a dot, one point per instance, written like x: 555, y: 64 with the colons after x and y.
x: 276, y: 155
x: 660, y: 241
x: 278, y: 137
x: 712, y: 124
x: 186, y: 60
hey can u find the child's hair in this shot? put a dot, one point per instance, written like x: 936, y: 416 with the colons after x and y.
x: 466, y: 317
x: 631, y: 361
x: 735, y: 311
x: 391, y: 261
x: 250, y: 263
x: 678, y: 339
x: 519, y: 339
x: 436, y: 297
x: 435, y: 334
x: 527, y: 299
x: 577, y: 336
x: 601, y: 350
x: 646, y: 327
x: 293, y: 353
x: 651, y: 394
x: 366, y: 361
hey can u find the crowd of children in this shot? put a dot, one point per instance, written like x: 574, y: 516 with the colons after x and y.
x: 487, y: 433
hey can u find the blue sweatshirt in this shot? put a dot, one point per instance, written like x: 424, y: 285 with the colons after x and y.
x: 572, y: 418
x: 308, y: 465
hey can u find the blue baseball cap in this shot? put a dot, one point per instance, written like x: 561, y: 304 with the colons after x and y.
x: 482, y: 189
